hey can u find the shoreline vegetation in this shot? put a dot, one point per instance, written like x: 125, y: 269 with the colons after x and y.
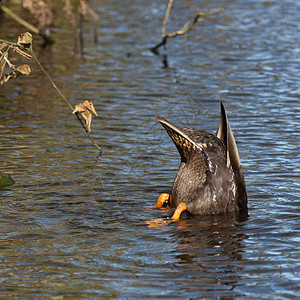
x: 23, y: 47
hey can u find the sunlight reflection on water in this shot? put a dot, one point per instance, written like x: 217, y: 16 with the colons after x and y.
x: 74, y: 224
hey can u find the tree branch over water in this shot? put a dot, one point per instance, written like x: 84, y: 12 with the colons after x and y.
x: 186, y: 28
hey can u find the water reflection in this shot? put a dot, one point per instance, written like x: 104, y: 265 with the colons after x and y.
x: 210, y: 249
x: 74, y: 224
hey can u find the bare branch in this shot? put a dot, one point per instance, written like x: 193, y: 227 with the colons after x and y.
x: 19, y: 20
x: 186, y: 28
x: 163, y: 29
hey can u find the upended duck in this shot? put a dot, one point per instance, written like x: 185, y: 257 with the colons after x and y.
x: 210, y: 179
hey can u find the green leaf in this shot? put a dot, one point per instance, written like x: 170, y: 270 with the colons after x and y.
x: 5, y: 180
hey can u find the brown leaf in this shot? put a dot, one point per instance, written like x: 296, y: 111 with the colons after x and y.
x: 89, y: 104
x: 6, y: 78
x: 3, y: 61
x: 25, y: 40
x: 79, y: 108
x: 24, y: 70
x: 21, y: 70
x: 23, y: 53
x: 3, y: 45
x: 85, y: 110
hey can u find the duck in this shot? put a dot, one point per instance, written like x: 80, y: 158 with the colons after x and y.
x: 210, y: 179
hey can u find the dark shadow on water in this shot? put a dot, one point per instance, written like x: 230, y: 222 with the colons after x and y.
x: 212, y: 246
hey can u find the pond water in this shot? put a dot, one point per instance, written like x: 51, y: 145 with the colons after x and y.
x: 74, y: 224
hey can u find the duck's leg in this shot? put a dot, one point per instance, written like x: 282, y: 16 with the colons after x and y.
x: 161, y: 222
x: 179, y: 209
x: 162, y: 199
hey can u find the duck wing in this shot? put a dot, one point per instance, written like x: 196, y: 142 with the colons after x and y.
x: 191, y: 142
x: 224, y: 133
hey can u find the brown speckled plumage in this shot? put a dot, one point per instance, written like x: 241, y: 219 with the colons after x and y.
x: 210, y: 179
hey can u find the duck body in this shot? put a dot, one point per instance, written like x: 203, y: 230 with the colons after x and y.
x: 210, y: 179
x: 204, y: 182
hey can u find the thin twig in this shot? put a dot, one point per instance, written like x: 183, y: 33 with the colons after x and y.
x: 91, y: 138
x: 163, y: 29
x: 18, y: 19
x: 6, y: 60
x: 50, y: 79
x: 16, y: 46
x: 65, y: 99
x: 186, y: 28
x: 24, y: 23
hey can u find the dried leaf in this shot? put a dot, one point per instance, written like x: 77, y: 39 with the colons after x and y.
x: 5, y: 57
x: 6, y: 77
x: 21, y: 70
x: 89, y: 104
x: 85, y: 110
x: 88, y: 119
x: 3, y: 45
x: 3, y: 61
x: 25, y: 40
x: 23, y: 53
x: 24, y: 70
x: 79, y: 108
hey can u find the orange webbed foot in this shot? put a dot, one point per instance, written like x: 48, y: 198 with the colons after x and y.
x: 162, y: 202
x: 179, y: 209
x: 162, y: 199
x: 158, y: 223
x: 176, y: 216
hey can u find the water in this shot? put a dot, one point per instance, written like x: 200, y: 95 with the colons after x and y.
x: 74, y: 224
